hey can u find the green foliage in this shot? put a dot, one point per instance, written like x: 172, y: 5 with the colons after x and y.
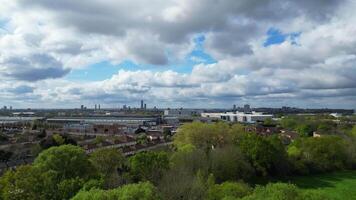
x: 320, y: 154
x: 107, y: 162
x: 57, y: 173
x: 203, y: 136
x: 266, y: 154
x: 269, y: 122
x: 93, y: 183
x: 140, y: 191
x: 289, y: 122
x: 149, y: 166
x: 69, y: 187
x: 189, y: 159
x: 353, y: 131
x: 326, y: 127
x: 179, y: 184
x: 229, y: 164
x: 99, y: 139
x: 276, y: 191
x: 228, y: 190
x: 304, y: 130
x: 66, y: 161
x: 142, y: 138
x: 58, y: 139
x: 20, y: 184
x: 94, y: 194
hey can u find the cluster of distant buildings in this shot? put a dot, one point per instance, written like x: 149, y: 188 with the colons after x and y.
x: 5, y: 108
x: 246, y: 115
x: 142, y: 106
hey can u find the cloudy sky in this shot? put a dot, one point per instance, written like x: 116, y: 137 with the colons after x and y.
x: 173, y: 53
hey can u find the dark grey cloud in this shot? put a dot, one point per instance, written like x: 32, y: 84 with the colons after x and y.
x: 233, y: 40
x: 148, y: 52
x: 33, y: 68
x: 118, y: 17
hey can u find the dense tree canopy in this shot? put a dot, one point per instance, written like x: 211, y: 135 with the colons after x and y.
x: 320, y: 154
x: 57, y: 173
x: 139, y: 191
x: 66, y: 161
x: 204, y: 136
x: 229, y: 164
x: 266, y: 154
x: 149, y: 166
x: 107, y: 162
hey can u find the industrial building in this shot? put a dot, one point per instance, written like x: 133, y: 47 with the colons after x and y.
x: 243, y: 117
x: 181, y: 112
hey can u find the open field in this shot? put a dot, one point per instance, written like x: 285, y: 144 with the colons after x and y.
x: 338, y: 185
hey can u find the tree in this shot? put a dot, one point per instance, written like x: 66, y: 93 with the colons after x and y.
x: 58, y: 139
x: 203, y: 136
x: 67, y: 161
x: 20, y: 184
x: 326, y: 127
x: 57, y: 173
x: 149, y: 166
x: 266, y: 154
x: 269, y: 122
x: 320, y: 154
x: 142, y: 138
x: 304, y: 130
x: 228, y: 190
x: 180, y: 184
x: 139, y: 191
x: 289, y: 122
x: 107, y: 162
x: 175, y: 184
x: 190, y: 159
x: 167, y: 133
x: 353, y: 131
x: 229, y: 164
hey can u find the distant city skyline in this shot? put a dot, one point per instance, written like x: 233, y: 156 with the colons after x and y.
x: 192, y: 54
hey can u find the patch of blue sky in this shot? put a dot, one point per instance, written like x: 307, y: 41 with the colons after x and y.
x: 276, y: 36
x: 3, y: 24
x: 100, y: 71
x: 105, y: 70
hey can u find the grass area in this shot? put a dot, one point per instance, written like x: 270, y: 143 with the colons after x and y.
x: 337, y: 185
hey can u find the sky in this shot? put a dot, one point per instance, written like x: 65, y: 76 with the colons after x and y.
x: 178, y: 53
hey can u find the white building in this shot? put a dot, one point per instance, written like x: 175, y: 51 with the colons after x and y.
x: 250, y: 117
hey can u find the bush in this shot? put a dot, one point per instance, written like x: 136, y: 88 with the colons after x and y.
x: 228, y: 190
x: 139, y: 191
